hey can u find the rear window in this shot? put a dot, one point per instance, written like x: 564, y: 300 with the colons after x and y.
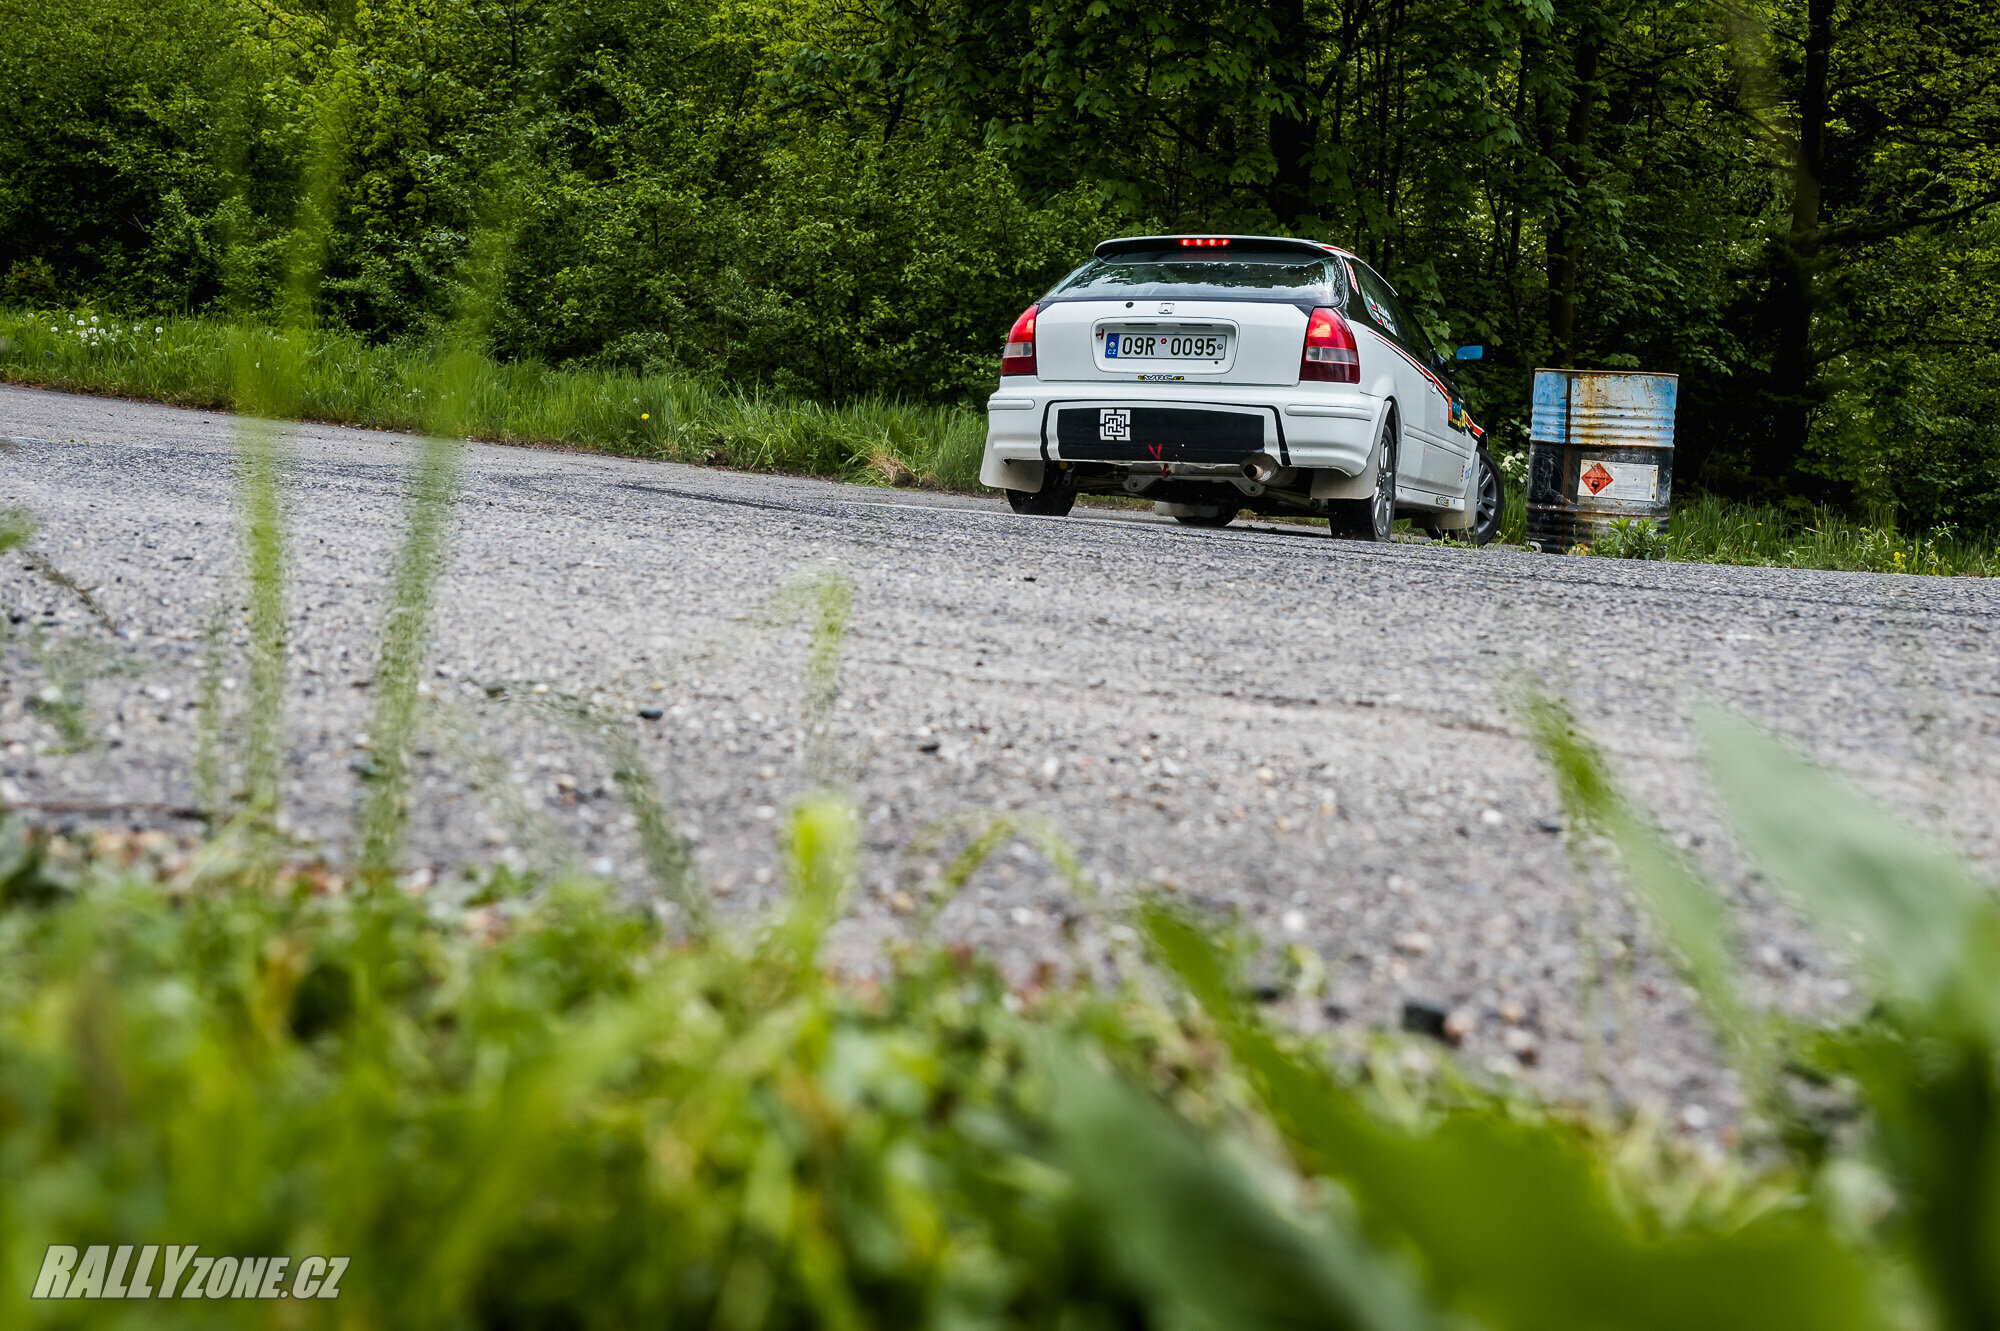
x: 1176, y: 275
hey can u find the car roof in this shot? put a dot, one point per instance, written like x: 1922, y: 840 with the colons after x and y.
x: 1127, y: 244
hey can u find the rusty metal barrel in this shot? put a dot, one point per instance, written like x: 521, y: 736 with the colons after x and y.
x: 1600, y: 447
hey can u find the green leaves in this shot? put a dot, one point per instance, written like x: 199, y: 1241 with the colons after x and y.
x: 820, y: 843
x: 554, y: 1114
x: 1915, y: 914
x: 1512, y: 1217
x: 1929, y: 935
x: 1191, y: 1230
x: 17, y: 527
x: 1684, y: 906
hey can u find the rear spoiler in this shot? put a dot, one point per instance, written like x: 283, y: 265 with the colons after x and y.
x: 1216, y: 247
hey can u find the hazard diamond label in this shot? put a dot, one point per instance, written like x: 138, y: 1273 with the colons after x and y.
x: 1619, y: 483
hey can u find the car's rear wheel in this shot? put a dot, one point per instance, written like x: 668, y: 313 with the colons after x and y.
x: 1489, y: 498
x: 1373, y: 518
x: 1222, y: 517
x: 1489, y: 504
x: 1054, y: 500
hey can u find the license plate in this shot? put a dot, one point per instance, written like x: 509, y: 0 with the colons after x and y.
x: 1165, y: 346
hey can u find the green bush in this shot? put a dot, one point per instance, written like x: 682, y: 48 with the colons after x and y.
x: 1630, y: 538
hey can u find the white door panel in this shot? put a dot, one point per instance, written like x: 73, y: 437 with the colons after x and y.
x: 1442, y: 462
x: 1445, y: 458
x: 1430, y: 460
x: 1447, y: 450
x: 1410, y: 405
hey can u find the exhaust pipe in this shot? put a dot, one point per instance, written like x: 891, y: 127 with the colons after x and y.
x: 1260, y: 468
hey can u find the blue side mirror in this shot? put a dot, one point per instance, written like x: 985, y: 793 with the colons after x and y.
x: 1471, y: 353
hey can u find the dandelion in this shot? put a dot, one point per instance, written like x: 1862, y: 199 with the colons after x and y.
x: 158, y: 330
x: 93, y: 318
x: 645, y: 415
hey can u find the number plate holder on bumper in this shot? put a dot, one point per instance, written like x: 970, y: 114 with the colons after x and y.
x: 1161, y: 434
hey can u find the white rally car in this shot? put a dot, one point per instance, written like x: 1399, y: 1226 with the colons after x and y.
x: 1214, y: 374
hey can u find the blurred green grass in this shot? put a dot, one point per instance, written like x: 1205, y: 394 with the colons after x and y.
x: 528, y: 1104
x: 522, y: 1112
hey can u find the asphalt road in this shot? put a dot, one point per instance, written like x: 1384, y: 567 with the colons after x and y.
x: 1310, y: 735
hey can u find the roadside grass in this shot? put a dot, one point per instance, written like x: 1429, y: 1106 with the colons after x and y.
x: 342, y: 379
x: 1712, y: 531
x: 1514, y: 514
x: 345, y: 380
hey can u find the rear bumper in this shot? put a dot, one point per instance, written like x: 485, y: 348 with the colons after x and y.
x: 1319, y: 426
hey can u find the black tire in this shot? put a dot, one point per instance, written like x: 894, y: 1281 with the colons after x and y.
x: 1054, y: 500
x: 1222, y: 517
x: 1489, y: 502
x: 1373, y: 518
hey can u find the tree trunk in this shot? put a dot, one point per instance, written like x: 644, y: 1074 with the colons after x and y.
x: 1793, y: 367
x: 1565, y: 242
x: 1291, y: 130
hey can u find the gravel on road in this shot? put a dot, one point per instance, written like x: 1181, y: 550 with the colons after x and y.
x: 1308, y: 736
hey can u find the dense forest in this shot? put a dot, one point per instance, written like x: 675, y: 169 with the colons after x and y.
x: 1796, y: 207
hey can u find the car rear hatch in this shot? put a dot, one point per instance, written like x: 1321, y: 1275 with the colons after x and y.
x: 1170, y: 341
x: 1228, y: 310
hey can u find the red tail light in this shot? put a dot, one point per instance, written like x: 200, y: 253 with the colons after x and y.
x: 1330, y: 351
x: 1202, y: 241
x: 1019, y: 356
